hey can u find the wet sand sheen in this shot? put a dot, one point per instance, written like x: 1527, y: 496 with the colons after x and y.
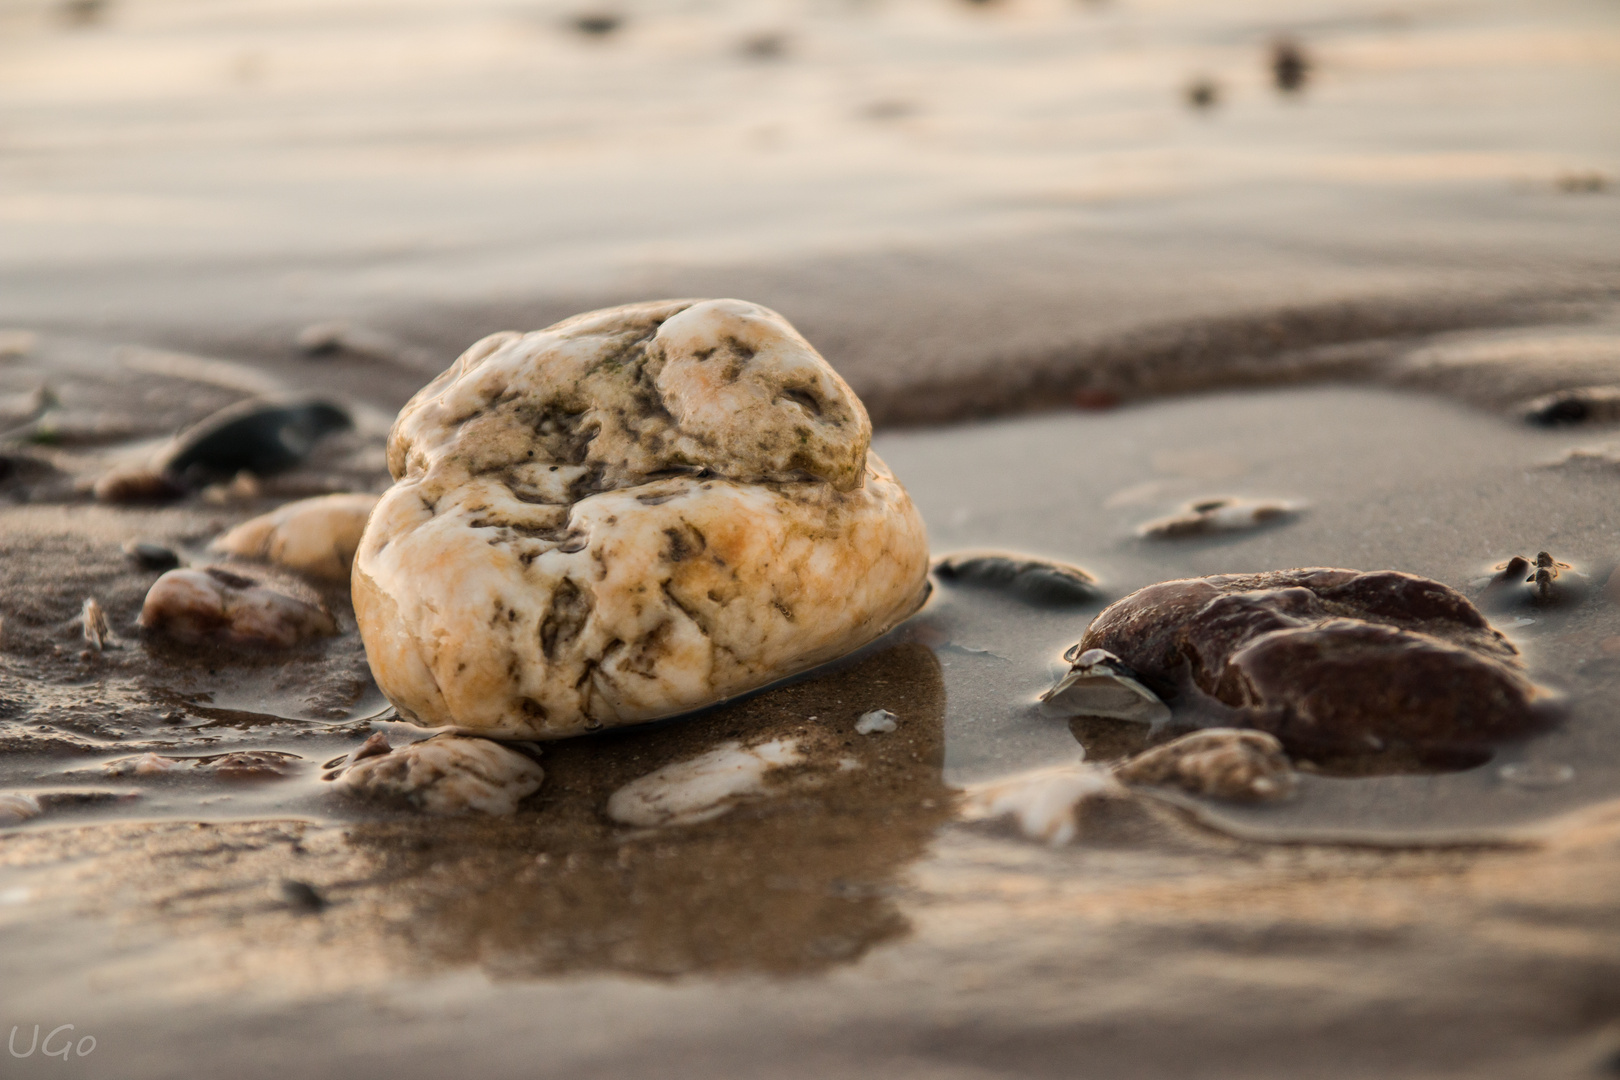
x: 1385, y: 482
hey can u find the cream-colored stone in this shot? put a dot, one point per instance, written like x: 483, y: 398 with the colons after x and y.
x: 632, y: 514
x: 447, y: 774
x: 315, y: 536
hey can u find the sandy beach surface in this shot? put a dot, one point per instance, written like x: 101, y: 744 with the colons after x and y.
x: 1073, y: 302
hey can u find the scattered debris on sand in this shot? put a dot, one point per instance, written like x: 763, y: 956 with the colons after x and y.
x: 447, y: 774
x: 315, y: 536
x: 213, y: 605
x: 632, y: 514
x: 1329, y: 661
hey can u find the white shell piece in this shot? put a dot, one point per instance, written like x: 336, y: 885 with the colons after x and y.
x: 876, y: 722
x: 1099, y: 684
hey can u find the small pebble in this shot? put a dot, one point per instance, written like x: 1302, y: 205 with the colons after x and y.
x: 16, y: 344
x: 216, y: 606
x: 258, y: 437
x: 302, y: 896
x: 1212, y: 516
x: 1331, y: 661
x: 316, y: 536
x: 1227, y: 763
x: 1579, y: 405
x: 16, y: 809
x: 597, y: 23
x: 1203, y: 93
x: 1290, y: 66
x: 151, y: 556
x: 447, y: 774
x: 876, y: 722
x: 1040, y: 581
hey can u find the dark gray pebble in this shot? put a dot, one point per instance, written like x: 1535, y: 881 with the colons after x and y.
x: 1036, y: 581
x: 302, y: 896
x: 260, y: 437
x: 150, y: 556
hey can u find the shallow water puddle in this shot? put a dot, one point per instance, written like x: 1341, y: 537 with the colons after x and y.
x: 1387, y: 482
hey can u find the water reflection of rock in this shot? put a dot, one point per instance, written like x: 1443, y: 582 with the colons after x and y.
x: 794, y: 881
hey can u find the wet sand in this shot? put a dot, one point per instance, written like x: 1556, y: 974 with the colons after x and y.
x: 1294, y: 298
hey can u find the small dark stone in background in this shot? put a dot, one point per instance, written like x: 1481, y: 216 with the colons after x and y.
x: 302, y: 896
x: 768, y: 45
x: 1290, y: 66
x: 1037, y: 581
x: 263, y: 438
x: 82, y: 12
x: 1203, y: 93
x: 1577, y: 183
x: 150, y: 556
x: 597, y: 23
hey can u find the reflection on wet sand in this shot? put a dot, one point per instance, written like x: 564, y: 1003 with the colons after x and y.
x: 794, y: 880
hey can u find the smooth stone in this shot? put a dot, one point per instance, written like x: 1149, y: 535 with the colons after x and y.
x: 630, y: 515
x: 317, y: 536
x: 263, y: 438
x: 1338, y: 662
x: 217, y: 606
x: 1226, y: 763
x: 447, y: 774
x: 1038, y: 581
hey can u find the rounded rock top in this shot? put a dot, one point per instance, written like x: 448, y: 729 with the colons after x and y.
x: 629, y: 515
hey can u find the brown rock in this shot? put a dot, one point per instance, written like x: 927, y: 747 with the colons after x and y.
x: 1327, y: 660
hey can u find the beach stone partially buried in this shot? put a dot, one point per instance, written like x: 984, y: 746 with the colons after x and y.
x: 317, y: 536
x: 447, y: 774
x: 1328, y: 661
x: 630, y: 515
x: 215, y: 606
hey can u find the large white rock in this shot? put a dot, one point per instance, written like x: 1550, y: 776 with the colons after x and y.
x: 629, y: 515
